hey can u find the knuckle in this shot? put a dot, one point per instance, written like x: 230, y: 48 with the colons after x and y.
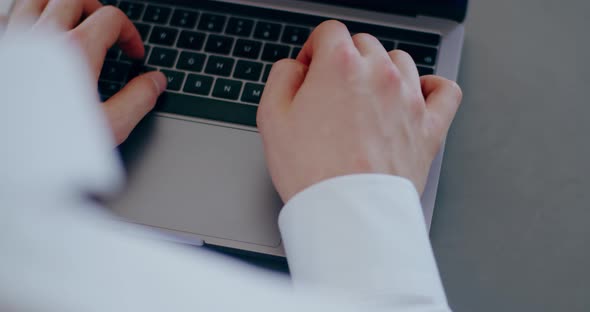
x: 364, y: 37
x: 346, y: 56
x: 391, y: 74
x: 283, y: 63
x: 401, y: 54
x: 332, y: 24
x: 359, y: 36
x: 112, y: 11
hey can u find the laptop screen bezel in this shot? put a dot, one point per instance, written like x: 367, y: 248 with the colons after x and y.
x: 449, y: 9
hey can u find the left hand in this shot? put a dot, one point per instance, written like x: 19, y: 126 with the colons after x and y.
x: 96, y: 28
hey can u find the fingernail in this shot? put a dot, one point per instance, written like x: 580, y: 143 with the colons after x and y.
x: 160, y: 81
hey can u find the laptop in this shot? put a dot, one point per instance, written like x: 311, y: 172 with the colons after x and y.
x: 196, y: 168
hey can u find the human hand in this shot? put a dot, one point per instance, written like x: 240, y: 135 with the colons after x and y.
x: 95, y: 28
x: 346, y: 106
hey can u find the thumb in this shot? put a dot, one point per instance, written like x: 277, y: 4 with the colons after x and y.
x: 128, y: 107
x: 284, y: 81
x: 443, y: 97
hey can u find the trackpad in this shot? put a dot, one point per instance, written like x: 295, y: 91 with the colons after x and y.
x: 200, y: 179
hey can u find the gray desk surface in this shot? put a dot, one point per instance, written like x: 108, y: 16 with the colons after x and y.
x: 512, y: 223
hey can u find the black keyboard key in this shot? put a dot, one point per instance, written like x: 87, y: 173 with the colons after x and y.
x: 295, y: 35
x: 157, y: 14
x: 144, y: 30
x: 423, y: 71
x: 295, y: 52
x: 227, y: 89
x: 114, y: 71
x: 125, y: 58
x: 421, y: 55
x: 164, y: 36
x: 275, y: 52
x: 131, y: 9
x: 186, y: 19
x: 219, y: 44
x: 163, y: 57
x: 239, y: 27
x: 218, y: 65
x: 207, y: 108
x: 248, y: 70
x: 113, y: 53
x: 252, y: 93
x: 267, y: 31
x: 175, y: 79
x: 108, y: 88
x: 212, y: 22
x: 198, y: 84
x: 191, y: 61
x: 267, y: 69
x: 388, y: 45
x: 109, y: 2
x: 247, y: 48
x: 191, y: 40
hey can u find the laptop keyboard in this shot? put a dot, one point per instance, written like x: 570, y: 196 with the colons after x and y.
x: 218, y: 62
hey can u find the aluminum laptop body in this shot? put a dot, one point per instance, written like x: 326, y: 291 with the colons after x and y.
x: 196, y: 169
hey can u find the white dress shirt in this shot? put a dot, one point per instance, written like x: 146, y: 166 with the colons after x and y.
x: 353, y: 243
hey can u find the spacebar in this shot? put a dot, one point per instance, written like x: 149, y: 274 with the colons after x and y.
x: 202, y: 107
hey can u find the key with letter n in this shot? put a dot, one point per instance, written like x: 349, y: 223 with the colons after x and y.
x: 227, y: 89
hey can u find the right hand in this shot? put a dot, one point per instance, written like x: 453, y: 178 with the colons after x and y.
x: 347, y: 106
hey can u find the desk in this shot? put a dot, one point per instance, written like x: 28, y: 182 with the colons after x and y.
x: 511, y: 230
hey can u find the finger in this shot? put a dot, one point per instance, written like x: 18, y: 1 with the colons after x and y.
x: 284, y: 81
x: 66, y: 14
x: 5, y: 10
x: 407, y: 67
x: 322, y: 42
x: 443, y: 98
x: 368, y: 45
x: 128, y: 107
x: 25, y: 10
x: 100, y: 31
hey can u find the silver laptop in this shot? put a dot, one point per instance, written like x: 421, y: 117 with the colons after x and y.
x: 196, y: 168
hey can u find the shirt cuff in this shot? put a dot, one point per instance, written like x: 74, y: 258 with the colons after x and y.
x: 362, y: 234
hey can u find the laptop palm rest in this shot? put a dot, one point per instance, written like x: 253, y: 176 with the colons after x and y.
x: 200, y: 179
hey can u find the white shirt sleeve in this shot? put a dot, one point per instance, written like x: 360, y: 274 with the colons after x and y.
x: 354, y: 243
x: 363, y: 235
